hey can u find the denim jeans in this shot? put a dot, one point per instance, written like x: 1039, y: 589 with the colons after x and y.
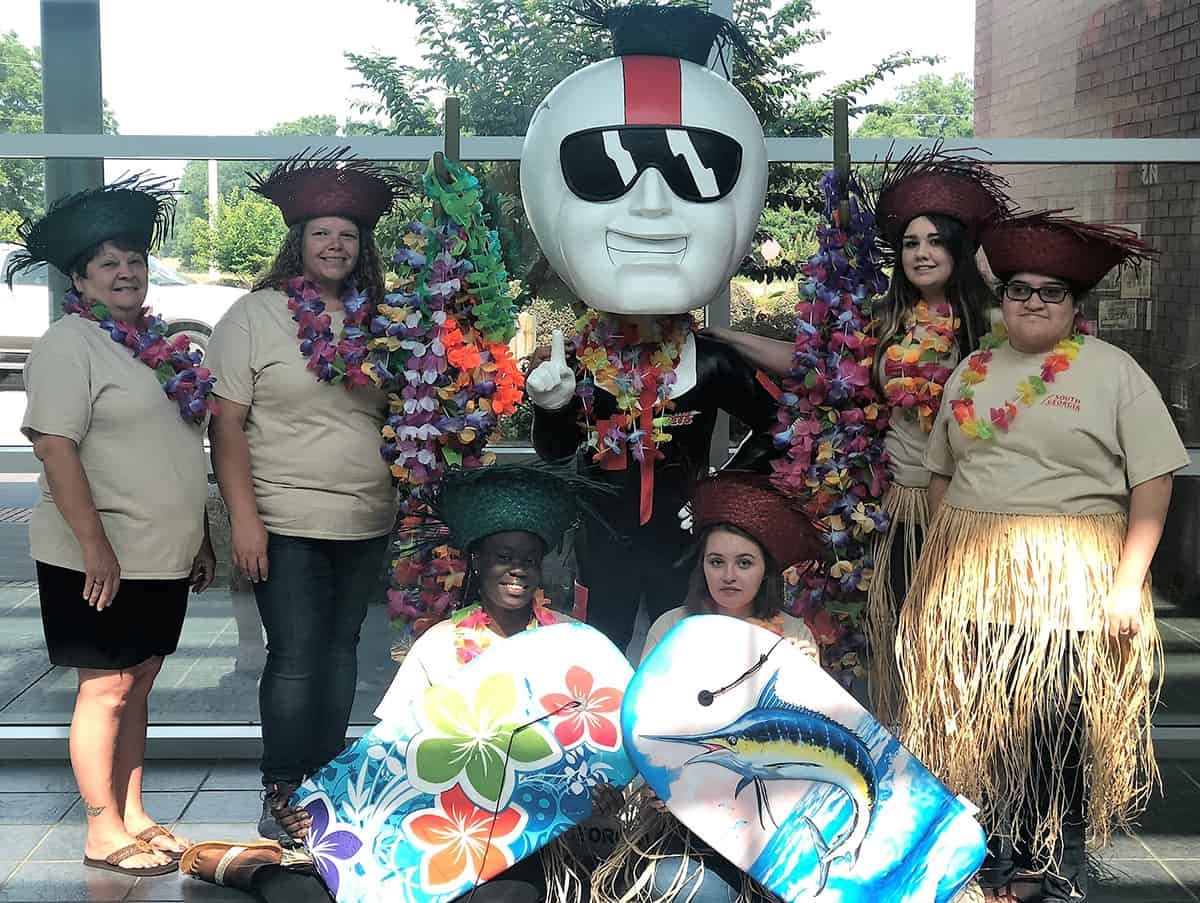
x: 312, y: 607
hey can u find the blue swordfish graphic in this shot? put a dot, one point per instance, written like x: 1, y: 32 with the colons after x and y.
x: 781, y: 741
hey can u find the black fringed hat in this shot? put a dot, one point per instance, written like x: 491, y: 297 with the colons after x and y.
x: 1051, y: 245
x: 139, y: 206
x: 924, y: 182
x: 687, y: 31
x: 331, y: 182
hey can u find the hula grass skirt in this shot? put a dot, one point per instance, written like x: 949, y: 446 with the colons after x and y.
x: 908, y: 508
x: 988, y: 660
x: 652, y: 839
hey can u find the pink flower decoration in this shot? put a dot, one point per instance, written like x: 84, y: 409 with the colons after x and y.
x: 587, y: 719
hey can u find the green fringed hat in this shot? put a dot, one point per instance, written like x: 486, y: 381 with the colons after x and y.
x: 540, y: 499
x: 139, y: 206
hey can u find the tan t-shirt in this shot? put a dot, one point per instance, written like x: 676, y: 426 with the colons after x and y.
x: 144, y: 464
x: 314, y: 447
x: 794, y: 629
x: 1100, y: 429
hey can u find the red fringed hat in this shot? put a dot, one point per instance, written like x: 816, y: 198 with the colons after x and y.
x: 928, y: 181
x: 749, y: 502
x: 331, y: 183
x: 1050, y: 245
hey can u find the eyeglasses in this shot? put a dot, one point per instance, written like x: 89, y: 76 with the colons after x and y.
x: 603, y: 164
x: 1050, y: 294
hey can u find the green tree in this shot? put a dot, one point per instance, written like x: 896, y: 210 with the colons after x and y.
x: 9, y: 220
x: 249, y: 231
x: 930, y: 107
x: 502, y: 57
x: 22, y: 182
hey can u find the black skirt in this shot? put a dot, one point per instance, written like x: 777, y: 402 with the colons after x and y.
x: 144, y: 620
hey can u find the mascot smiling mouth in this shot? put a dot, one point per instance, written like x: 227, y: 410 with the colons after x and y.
x: 625, y: 248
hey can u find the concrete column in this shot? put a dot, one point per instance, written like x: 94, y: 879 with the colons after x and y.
x: 71, y: 99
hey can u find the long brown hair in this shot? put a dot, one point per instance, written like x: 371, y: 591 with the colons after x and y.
x: 289, y: 263
x: 768, y: 601
x: 967, y: 293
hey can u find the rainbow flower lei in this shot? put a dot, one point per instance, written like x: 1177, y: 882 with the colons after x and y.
x: 439, y: 347
x: 915, y: 366
x: 831, y: 425
x: 177, y: 367
x: 1059, y: 360
x: 471, y: 633
x: 331, y: 361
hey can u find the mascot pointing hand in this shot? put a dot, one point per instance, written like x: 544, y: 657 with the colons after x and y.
x: 643, y: 178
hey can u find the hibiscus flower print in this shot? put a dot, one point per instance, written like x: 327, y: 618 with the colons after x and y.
x: 479, y: 746
x: 593, y: 717
x: 453, y: 838
x: 330, y: 844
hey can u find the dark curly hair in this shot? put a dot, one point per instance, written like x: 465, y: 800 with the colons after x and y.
x: 289, y: 263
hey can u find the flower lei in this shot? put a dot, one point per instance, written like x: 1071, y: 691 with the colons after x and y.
x: 331, y: 361
x: 471, y: 633
x: 634, y: 360
x: 439, y: 347
x: 1059, y: 360
x: 177, y: 367
x: 915, y: 366
x: 831, y: 425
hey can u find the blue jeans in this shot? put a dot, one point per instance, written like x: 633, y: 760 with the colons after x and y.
x: 312, y: 607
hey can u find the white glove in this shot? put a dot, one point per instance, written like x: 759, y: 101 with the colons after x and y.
x: 685, y: 517
x: 551, y: 385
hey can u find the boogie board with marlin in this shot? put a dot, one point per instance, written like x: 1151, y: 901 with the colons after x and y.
x: 782, y: 772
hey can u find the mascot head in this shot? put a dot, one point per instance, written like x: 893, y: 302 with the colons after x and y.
x: 643, y: 176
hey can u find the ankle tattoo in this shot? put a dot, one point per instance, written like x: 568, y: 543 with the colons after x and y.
x: 92, y: 811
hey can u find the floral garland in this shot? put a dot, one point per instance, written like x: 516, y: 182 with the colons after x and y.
x: 1059, y: 360
x: 331, y: 361
x: 831, y: 425
x: 915, y: 366
x: 439, y: 347
x: 634, y: 360
x: 177, y: 367
x: 471, y: 633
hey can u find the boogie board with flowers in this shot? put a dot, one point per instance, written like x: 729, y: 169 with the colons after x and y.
x: 468, y: 779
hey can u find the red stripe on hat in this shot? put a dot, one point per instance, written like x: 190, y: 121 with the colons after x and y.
x: 653, y: 90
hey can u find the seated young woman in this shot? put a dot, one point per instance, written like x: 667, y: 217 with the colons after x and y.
x: 505, y: 518
x: 747, y: 535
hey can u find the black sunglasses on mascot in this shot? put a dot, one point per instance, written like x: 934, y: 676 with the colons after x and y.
x: 603, y: 164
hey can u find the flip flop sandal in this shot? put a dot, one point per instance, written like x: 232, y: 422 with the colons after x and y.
x: 190, y: 864
x: 112, y: 862
x: 148, y: 834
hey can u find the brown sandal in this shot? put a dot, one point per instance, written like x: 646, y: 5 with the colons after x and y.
x: 235, y: 865
x: 148, y: 834
x: 112, y: 862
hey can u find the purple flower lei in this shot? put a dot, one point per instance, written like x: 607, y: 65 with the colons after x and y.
x: 175, y: 364
x: 332, y: 361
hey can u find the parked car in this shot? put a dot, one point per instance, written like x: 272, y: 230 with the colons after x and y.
x: 187, y: 306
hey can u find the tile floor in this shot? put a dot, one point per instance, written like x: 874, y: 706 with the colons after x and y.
x: 41, y: 835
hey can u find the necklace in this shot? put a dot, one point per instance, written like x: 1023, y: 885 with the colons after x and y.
x: 915, y: 366
x: 174, y: 363
x: 472, y: 635
x: 634, y: 360
x: 1059, y: 360
x: 339, y: 361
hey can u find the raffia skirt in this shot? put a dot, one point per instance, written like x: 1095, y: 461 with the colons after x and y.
x: 908, y: 509
x: 1001, y: 635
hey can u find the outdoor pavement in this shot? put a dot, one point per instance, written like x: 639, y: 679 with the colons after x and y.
x: 42, y: 831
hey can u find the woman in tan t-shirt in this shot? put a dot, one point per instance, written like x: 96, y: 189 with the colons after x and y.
x: 930, y: 209
x: 747, y: 535
x: 115, y: 412
x: 1027, y: 642
x: 296, y: 453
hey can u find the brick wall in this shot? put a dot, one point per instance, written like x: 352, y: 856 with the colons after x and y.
x: 1096, y: 69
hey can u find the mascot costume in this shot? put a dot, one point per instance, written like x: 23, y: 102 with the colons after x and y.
x: 643, y: 178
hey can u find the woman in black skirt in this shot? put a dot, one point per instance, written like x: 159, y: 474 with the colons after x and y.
x: 116, y: 414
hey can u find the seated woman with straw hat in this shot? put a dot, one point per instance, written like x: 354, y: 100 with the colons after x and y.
x: 1027, y: 643
x: 505, y: 519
